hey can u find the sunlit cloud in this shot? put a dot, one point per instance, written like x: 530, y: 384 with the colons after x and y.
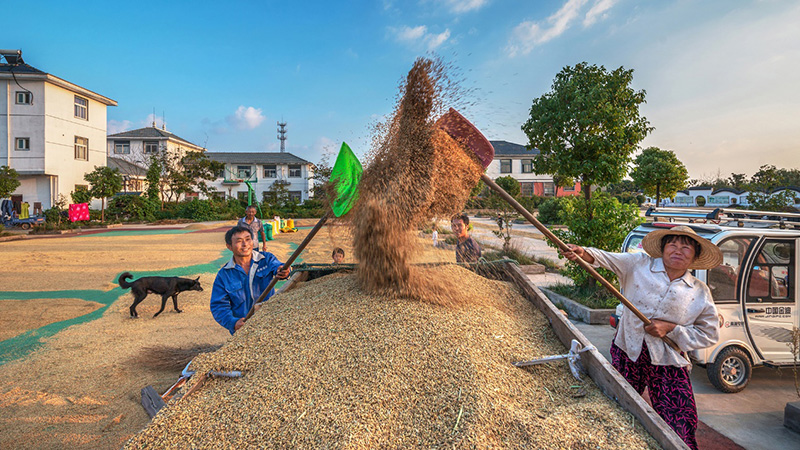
x: 529, y: 34
x: 598, y: 11
x: 118, y: 126
x: 463, y: 6
x: 420, y: 36
x: 246, y: 118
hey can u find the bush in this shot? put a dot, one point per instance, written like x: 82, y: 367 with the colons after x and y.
x: 132, y: 207
x: 589, y: 297
x: 610, y: 223
x: 551, y: 209
x: 530, y: 203
x: 199, y: 210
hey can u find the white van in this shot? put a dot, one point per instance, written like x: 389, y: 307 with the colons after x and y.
x: 755, y: 288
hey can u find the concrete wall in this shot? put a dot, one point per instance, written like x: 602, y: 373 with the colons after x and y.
x: 49, y: 168
x: 18, y: 121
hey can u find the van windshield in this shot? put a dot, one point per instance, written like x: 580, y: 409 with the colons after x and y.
x: 723, y: 278
x: 634, y: 244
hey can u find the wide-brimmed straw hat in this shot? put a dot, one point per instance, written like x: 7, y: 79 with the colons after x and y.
x: 710, y: 254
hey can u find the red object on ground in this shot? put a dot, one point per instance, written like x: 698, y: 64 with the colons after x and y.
x: 78, y: 211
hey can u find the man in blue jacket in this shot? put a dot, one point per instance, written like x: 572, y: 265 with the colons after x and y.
x: 241, y: 280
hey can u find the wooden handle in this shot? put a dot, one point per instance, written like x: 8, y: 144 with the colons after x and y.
x: 561, y: 245
x: 289, y: 262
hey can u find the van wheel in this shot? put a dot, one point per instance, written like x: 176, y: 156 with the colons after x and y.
x: 730, y: 372
x: 25, y: 226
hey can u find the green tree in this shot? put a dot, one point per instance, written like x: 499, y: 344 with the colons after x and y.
x: 104, y: 182
x: 198, y: 169
x: 509, y: 184
x: 153, y: 177
x: 9, y: 181
x: 80, y: 195
x: 611, y: 223
x: 588, y: 126
x: 659, y: 173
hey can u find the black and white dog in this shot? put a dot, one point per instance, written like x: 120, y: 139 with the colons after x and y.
x: 165, y: 286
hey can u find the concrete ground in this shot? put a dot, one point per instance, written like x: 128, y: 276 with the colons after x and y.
x: 752, y: 418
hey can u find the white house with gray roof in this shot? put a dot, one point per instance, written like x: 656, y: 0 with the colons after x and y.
x: 130, y: 151
x: 516, y: 161
x: 52, y: 132
x: 136, y: 146
x: 262, y: 170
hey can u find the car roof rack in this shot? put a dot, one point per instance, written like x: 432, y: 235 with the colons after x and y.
x: 727, y: 217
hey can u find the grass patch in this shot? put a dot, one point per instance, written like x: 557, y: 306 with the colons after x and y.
x: 511, y: 253
x: 590, y: 297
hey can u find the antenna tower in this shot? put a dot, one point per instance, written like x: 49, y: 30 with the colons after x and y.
x: 282, y: 135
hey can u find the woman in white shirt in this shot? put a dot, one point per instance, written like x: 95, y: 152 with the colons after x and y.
x: 679, y: 306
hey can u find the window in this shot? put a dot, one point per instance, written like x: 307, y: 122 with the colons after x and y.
x: 81, y: 148
x: 218, y: 195
x: 770, y: 280
x: 526, y: 189
x: 723, y: 278
x: 150, y: 147
x: 527, y: 166
x: 243, y: 171
x: 570, y: 188
x: 295, y: 196
x: 24, y: 98
x: 270, y: 171
x: 122, y: 147
x: 23, y: 144
x: 294, y: 171
x: 81, y: 108
x: 505, y: 166
x: 549, y: 188
x: 242, y: 195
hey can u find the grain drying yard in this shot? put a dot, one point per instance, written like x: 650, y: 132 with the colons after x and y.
x: 325, y: 365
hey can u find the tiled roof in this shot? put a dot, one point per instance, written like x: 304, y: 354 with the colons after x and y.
x: 28, y: 72
x: 255, y: 158
x: 149, y: 133
x: 505, y: 148
x: 19, y: 69
x: 735, y: 191
x: 126, y: 167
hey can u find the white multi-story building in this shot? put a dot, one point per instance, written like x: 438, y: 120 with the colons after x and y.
x: 52, y: 132
x: 262, y: 170
x: 130, y: 152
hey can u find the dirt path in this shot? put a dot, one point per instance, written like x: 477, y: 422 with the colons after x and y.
x: 69, y: 379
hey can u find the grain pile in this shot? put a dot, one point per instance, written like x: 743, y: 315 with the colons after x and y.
x: 416, y: 172
x: 329, y: 366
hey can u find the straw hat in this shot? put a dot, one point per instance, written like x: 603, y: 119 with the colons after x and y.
x: 710, y: 254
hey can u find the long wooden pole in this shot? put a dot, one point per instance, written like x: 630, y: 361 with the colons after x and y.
x: 561, y: 245
x: 289, y: 261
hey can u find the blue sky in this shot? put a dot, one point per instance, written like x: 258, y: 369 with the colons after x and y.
x: 722, y: 76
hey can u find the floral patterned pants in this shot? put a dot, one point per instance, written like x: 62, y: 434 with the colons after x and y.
x: 670, y: 390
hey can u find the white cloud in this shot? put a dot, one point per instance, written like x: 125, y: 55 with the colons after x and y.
x: 529, y: 34
x: 246, y: 118
x: 435, y: 40
x: 420, y: 36
x: 118, y: 126
x: 410, y: 34
x: 597, y: 11
x: 153, y: 120
x: 462, y: 6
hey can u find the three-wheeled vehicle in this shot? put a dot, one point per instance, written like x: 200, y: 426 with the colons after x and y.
x: 755, y: 288
x: 26, y: 224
